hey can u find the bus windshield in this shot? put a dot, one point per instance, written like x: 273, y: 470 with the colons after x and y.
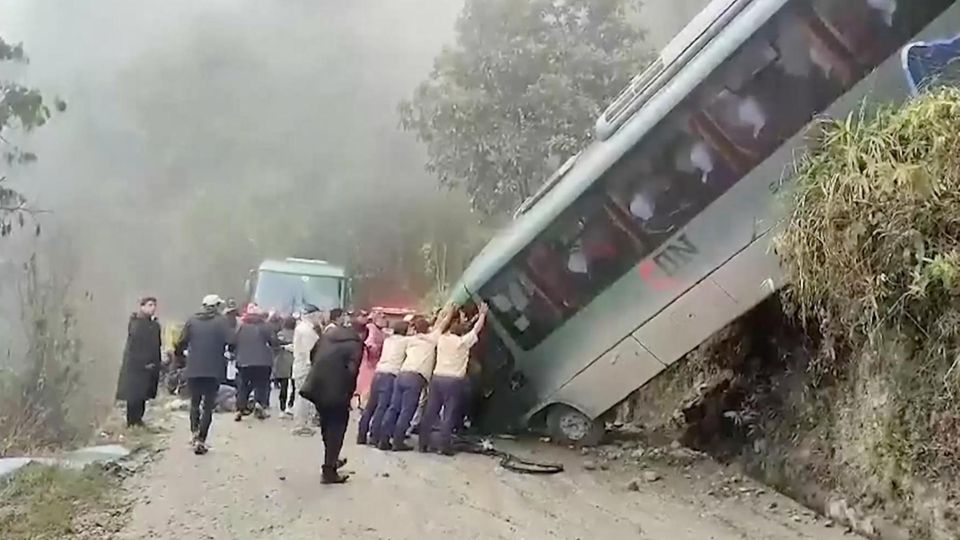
x: 288, y: 293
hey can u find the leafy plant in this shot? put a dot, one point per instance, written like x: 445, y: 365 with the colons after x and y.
x: 21, y: 108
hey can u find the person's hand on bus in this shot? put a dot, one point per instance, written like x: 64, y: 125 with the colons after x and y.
x: 481, y: 317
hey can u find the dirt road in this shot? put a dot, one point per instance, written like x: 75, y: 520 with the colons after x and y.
x: 260, y: 482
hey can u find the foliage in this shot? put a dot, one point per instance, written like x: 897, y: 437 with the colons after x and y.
x: 21, y: 108
x: 43, y: 502
x: 872, y: 249
x: 35, y: 402
x: 520, y: 92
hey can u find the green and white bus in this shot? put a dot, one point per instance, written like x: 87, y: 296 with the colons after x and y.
x: 658, y: 234
x: 287, y: 285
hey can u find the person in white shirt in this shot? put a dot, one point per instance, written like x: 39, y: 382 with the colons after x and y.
x: 305, y: 336
x: 412, y: 379
x: 392, y: 354
x: 445, y: 396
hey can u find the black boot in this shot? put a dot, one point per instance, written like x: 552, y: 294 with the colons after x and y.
x: 331, y: 476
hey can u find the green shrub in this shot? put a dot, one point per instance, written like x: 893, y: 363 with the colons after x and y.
x: 872, y: 251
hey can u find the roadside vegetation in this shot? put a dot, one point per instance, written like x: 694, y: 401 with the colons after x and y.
x: 872, y: 249
x: 45, y: 502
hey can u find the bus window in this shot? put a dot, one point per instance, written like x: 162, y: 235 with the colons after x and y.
x: 598, y: 250
x: 520, y: 306
x: 573, y: 261
x: 872, y: 30
x: 545, y: 268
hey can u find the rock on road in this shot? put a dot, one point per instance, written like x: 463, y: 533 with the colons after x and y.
x: 259, y: 482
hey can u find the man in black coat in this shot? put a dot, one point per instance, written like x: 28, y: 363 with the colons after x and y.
x: 140, y: 371
x: 204, y: 339
x: 330, y: 386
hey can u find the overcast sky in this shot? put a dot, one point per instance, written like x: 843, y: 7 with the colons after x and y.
x: 180, y: 103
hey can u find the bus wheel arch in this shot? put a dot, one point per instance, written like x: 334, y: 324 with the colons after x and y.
x: 567, y: 425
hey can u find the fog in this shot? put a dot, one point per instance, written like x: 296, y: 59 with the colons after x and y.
x: 203, y: 136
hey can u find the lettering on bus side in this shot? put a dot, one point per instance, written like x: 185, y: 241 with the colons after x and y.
x: 669, y: 261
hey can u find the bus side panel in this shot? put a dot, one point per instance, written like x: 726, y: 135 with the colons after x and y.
x: 610, y: 379
x: 689, y: 321
x: 752, y: 275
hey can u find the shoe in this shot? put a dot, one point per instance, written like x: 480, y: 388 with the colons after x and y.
x: 361, y: 441
x: 260, y: 413
x: 423, y: 449
x: 447, y: 452
x: 238, y: 417
x: 402, y: 447
x: 200, y: 448
x: 385, y: 446
x: 331, y: 476
x: 341, y: 462
x: 286, y: 415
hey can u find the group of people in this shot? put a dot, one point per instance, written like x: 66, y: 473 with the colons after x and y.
x: 421, y: 365
x: 322, y: 362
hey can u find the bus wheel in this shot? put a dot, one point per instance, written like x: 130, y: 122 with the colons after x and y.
x: 569, y: 426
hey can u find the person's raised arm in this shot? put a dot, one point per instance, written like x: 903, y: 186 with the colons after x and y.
x: 443, y: 320
x: 482, y: 319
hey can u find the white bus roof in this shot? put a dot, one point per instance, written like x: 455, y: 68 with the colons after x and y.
x: 600, y: 156
x: 303, y: 267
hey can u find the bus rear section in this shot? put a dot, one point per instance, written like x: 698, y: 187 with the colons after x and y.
x: 671, y: 241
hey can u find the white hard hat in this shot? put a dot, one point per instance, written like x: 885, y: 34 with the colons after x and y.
x: 212, y: 300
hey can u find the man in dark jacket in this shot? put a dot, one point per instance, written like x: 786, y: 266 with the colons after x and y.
x: 330, y: 386
x: 205, y: 338
x: 140, y: 371
x: 256, y: 341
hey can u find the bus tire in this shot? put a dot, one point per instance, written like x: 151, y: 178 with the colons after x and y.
x: 568, y: 426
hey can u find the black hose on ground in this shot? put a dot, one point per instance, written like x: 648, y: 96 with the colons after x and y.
x: 508, y: 461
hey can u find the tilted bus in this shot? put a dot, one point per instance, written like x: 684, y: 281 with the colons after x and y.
x: 658, y: 234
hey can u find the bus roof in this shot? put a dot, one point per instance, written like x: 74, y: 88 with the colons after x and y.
x: 303, y: 267
x: 597, y: 158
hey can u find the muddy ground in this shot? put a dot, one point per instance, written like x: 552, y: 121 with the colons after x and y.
x: 259, y: 481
